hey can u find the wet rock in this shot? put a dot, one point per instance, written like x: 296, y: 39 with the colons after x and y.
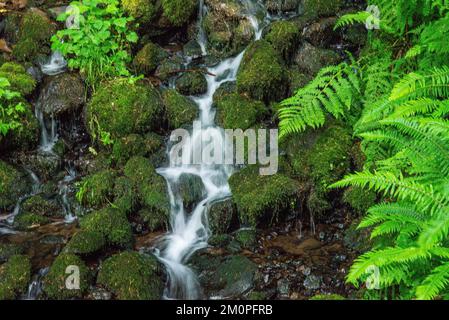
x: 321, y: 33
x: 246, y: 238
x: 52, y: 239
x: 61, y: 94
x: 148, y: 58
x: 45, y: 165
x: 311, y: 59
x: 13, y: 185
x: 192, y: 84
x: 41, y: 206
x: 192, y: 49
x: 169, y: 68
x: 221, y: 215
x: 100, y: 294
x: 283, y: 287
x: 153, y: 220
x: 312, y: 282
x: 283, y: 6
x: 180, y: 110
x: 191, y: 189
x: 321, y: 8
x: 220, y: 240
x: 7, y: 250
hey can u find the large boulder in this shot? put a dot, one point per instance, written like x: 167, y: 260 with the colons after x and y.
x: 262, y: 75
x: 121, y: 108
x: 132, y: 276
x: 61, y: 94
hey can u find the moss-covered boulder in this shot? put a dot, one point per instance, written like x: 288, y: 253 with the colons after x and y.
x: 7, y: 250
x: 126, y: 198
x: 284, y: 36
x: 18, y: 78
x: 13, y: 184
x: 26, y: 220
x: 96, y: 190
x: 262, y: 75
x: 148, y: 58
x: 192, y: 83
x: 236, y: 111
x: 112, y: 224
x: 151, y: 187
x: 132, y: 276
x: 14, y: 277
x: 142, y: 10
x: 55, y: 285
x: 191, y: 189
x: 221, y: 215
x: 127, y: 147
x: 246, y: 238
x: 179, y: 12
x: 169, y: 68
x: 179, y: 110
x: 121, y: 108
x: 318, y: 159
x: 262, y: 199
x: 359, y: 199
x: 39, y: 205
x: 153, y: 220
x: 35, y: 32
x: 321, y: 8
x: 85, y: 242
x: 285, y: 6
x: 310, y: 59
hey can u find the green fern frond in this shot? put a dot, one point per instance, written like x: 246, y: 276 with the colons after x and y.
x: 436, y: 282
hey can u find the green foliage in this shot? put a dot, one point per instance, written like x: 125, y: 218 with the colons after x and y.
x: 10, y: 109
x: 19, y: 79
x: 14, y: 277
x: 132, y: 276
x: 178, y: 12
x: 180, y: 110
x: 99, y: 47
x: 85, y: 242
x: 96, y: 190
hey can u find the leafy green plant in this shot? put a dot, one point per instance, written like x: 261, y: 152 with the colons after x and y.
x: 99, y: 42
x: 10, y: 110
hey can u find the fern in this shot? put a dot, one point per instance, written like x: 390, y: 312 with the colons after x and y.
x: 352, y: 18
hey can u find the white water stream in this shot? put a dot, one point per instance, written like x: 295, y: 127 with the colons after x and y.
x: 189, y: 230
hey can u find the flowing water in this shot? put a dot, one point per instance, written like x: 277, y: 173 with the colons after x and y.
x: 189, y: 230
x: 55, y: 65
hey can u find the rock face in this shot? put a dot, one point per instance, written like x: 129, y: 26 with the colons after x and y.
x: 61, y: 94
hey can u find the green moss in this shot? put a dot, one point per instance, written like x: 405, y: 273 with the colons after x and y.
x: 154, y: 220
x: 127, y: 147
x: 179, y: 12
x: 359, y: 199
x: 7, y: 250
x: 149, y: 58
x: 125, y: 195
x: 234, y: 269
x: 261, y: 199
x: 321, y: 8
x: 139, y: 170
x: 328, y: 297
x: 153, y: 142
x: 112, y: 224
x: 34, y: 36
x: 257, y: 296
x: 132, y: 276
x: 180, y: 110
x: 284, y: 37
x: 19, y: 79
x: 85, y: 242
x: 13, y: 184
x: 262, y: 75
x: 143, y: 10
x: 236, y: 111
x: 192, y: 83
x: 55, y: 281
x: 14, y: 277
x: 96, y: 190
x: 169, y: 67
x: 221, y: 215
x: 40, y: 206
x: 26, y: 220
x: 219, y: 240
x: 122, y: 108
x: 246, y: 238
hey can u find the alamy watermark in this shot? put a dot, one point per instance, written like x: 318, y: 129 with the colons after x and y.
x: 72, y: 282
x: 212, y: 146
x: 373, y: 20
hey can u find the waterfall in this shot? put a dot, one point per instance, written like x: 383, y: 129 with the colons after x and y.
x: 189, y: 230
x: 55, y: 65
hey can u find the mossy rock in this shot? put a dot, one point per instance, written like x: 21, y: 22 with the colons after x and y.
x: 55, y: 281
x: 262, y: 199
x: 96, y: 189
x: 320, y: 158
x: 85, y: 243
x: 311, y: 60
x: 154, y: 220
x: 262, y: 76
x: 18, y: 78
x: 112, y: 224
x: 179, y: 110
x: 359, y: 199
x: 15, y: 276
x: 7, y: 250
x: 246, y: 238
x: 26, y: 220
x: 144, y: 11
x: 13, y: 185
x: 149, y: 58
x: 121, y: 108
x: 234, y: 275
x: 191, y: 189
x: 192, y: 84
x: 236, y: 111
x: 41, y: 206
x: 321, y: 8
x: 256, y: 296
x: 221, y: 215
x: 179, y: 12
x: 132, y: 276
x: 126, y: 198
x: 34, y: 36
x: 328, y: 297
x: 284, y: 36
x: 219, y: 240
x: 168, y: 68
x: 153, y: 143
x: 127, y: 147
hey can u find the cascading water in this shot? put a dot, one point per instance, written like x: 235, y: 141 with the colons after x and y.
x: 189, y: 229
x: 55, y: 65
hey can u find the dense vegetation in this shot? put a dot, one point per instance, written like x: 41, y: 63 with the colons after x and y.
x: 395, y: 96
